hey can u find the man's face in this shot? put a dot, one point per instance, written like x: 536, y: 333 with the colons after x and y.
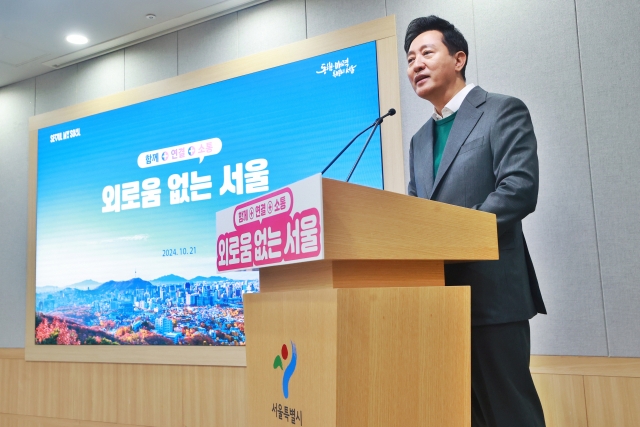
x: 431, y: 69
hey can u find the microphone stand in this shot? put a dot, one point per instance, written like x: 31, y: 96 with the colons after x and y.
x: 347, y: 146
x: 375, y: 127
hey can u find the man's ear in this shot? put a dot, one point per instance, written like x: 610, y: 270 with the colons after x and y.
x: 461, y: 60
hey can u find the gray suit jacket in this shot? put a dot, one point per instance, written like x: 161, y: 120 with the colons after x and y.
x: 490, y: 163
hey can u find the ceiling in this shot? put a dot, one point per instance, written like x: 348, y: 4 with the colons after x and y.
x: 33, y: 32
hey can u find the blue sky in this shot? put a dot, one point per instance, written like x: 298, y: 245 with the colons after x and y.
x: 292, y: 116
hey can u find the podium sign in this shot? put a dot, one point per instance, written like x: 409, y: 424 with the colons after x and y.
x: 282, y: 227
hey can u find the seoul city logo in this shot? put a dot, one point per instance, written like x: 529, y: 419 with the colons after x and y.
x: 291, y: 367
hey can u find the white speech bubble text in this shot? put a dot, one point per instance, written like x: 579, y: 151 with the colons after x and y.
x: 179, y: 153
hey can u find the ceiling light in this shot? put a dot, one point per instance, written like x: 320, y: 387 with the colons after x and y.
x: 151, y: 31
x: 77, y: 39
x: 151, y: 16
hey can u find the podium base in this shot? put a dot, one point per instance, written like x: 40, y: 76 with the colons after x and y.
x: 355, y: 357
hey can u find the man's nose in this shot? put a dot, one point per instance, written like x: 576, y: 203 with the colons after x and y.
x: 418, y: 65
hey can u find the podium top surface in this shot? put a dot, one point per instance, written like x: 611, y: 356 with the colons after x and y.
x: 362, y: 223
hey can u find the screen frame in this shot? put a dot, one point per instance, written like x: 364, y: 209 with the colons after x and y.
x: 382, y: 31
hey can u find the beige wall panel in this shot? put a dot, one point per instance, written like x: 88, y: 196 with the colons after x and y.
x: 93, y: 392
x: 391, y: 129
x: 30, y: 321
x: 7, y: 420
x: 47, y: 394
x: 578, y: 365
x: 150, y: 395
x: 12, y: 353
x: 612, y: 402
x: 85, y: 392
x: 562, y: 399
x: 213, y: 396
x: 173, y: 355
x: 10, y: 380
x: 45, y: 390
x: 65, y: 390
x: 12, y: 420
x: 90, y: 394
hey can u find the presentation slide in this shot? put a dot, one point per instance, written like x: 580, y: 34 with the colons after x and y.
x: 127, y: 199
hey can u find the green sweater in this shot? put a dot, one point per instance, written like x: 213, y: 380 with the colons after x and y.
x: 441, y: 132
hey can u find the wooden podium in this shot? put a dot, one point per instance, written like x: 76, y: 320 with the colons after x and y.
x: 379, y: 340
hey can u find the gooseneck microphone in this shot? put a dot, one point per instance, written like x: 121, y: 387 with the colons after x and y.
x: 374, y: 125
x: 391, y: 112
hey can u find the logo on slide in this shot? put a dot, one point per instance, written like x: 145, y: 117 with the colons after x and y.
x: 291, y: 367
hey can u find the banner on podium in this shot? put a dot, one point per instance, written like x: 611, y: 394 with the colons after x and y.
x: 282, y: 227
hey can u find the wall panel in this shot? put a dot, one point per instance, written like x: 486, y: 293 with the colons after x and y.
x: 609, y: 40
x: 56, y: 89
x: 61, y: 394
x: 100, y: 76
x: 416, y: 111
x: 210, y: 43
x: 101, y: 395
x: 153, y: 60
x: 10, y: 376
x: 272, y: 24
x: 11, y: 420
x: 612, y: 401
x: 587, y: 366
x: 562, y: 398
x: 324, y: 16
x: 230, y: 403
x: 561, y: 233
x: 17, y: 104
x: 149, y: 395
x: 44, y: 390
x: 93, y: 391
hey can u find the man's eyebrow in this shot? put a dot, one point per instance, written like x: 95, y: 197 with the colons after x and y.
x: 422, y: 47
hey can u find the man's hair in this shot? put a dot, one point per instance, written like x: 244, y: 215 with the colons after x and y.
x: 451, y: 36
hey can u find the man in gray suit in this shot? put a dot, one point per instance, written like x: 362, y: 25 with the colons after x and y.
x: 478, y: 150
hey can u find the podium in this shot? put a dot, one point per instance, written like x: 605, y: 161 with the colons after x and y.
x: 368, y: 335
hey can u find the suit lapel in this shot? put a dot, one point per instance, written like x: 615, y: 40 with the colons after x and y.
x: 466, y: 119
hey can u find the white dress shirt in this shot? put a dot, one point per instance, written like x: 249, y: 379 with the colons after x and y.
x: 454, y: 104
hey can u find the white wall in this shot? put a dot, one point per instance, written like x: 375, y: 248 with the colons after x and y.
x: 573, y: 64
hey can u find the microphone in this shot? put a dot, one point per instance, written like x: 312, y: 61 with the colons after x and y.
x: 391, y: 112
x: 375, y: 124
